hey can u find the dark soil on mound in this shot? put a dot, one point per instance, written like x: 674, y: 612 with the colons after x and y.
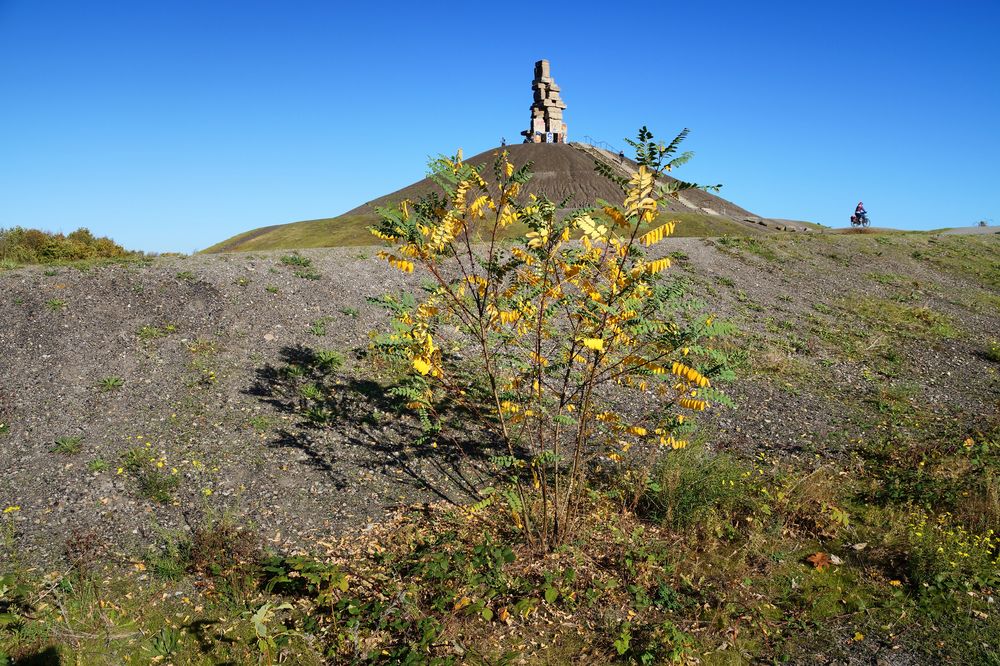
x: 560, y: 171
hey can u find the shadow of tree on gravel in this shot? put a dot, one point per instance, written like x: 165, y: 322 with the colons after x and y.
x: 206, y: 636
x: 47, y: 657
x: 367, y: 428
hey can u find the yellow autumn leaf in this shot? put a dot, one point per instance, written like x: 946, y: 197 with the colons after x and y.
x: 593, y: 343
x: 591, y: 228
x: 537, y: 238
x: 396, y: 262
x: 421, y: 366
x: 658, y: 234
x: 383, y: 236
x: 658, y: 265
x: 616, y: 216
x: 476, y: 208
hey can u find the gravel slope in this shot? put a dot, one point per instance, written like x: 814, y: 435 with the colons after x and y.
x: 204, y: 389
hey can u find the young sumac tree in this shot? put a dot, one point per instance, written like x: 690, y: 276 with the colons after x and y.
x: 587, y: 357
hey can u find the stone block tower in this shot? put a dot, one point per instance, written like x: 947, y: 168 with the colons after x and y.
x: 547, y: 125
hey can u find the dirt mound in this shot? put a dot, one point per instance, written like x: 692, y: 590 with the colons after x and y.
x: 561, y: 172
x: 135, y: 398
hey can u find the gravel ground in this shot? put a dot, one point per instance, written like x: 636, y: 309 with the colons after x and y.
x: 201, y: 388
x: 974, y: 231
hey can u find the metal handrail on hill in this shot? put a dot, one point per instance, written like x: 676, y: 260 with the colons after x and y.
x: 605, y: 155
x: 597, y: 143
x: 628, y: 167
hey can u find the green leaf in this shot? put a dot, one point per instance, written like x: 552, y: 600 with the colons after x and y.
x: 623, y: 642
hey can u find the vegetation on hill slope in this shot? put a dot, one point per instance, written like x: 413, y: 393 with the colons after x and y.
x: 31, y: 246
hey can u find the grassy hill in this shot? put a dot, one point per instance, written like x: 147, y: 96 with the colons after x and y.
x: 560, y: 171
x: 189, y: 443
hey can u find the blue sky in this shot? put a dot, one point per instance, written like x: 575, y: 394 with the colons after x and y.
x: 172, y: 125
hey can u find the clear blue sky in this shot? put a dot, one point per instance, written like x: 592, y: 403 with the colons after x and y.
x: 171, y: 125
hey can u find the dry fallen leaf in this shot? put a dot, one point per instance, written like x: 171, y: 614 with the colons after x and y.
x: 819, y: 560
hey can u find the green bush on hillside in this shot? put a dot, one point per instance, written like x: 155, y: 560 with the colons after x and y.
x: 32, y: 246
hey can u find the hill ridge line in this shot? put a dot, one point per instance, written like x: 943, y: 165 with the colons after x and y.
x: 560, y: 172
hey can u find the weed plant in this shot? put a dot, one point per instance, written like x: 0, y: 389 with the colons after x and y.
x: 307, y: 274
x: 149, y: 332
x: 68, y: 445
x: 296, y: 259
x: 153, y: 479
x: 111, y: 383
x: 97, y: 465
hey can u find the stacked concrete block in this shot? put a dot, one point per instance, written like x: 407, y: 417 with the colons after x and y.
x: 547, y: 124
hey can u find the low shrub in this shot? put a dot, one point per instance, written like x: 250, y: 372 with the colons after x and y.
x: 32, y: 246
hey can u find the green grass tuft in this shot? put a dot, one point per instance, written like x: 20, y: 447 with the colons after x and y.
x: 68, y: 445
